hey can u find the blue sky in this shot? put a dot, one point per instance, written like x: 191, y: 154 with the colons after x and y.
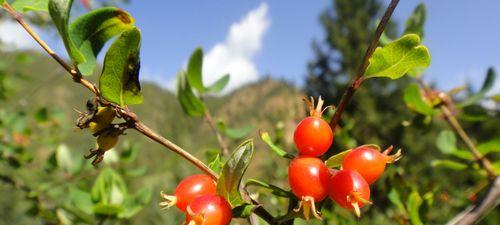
x: 256, y: 38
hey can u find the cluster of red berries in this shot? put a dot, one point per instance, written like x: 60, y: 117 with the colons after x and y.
x: 311, y: 181
x: 196, y: 196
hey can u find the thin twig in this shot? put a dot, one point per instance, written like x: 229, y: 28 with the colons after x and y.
x: 346, y: 97
x: 445, y: 108
x: 124, y: 112
x: 473, y: 214
x: 220, y: 139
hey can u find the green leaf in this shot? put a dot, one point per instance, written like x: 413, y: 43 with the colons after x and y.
x: 487, y: 85
x: 214, y: 160
x: 92, y: 30
x: 30, y: 5
x: 65, y: 160
x: 398, y: 57
x: 396, y: 200
x: 81, y: 200
x: 448, y: 164
x: 59, y: 12
x: 336, y: 160
x: 218, y: 85
x: 2, y: 1
x: 463, y: 154
x: 228, y: 185
x: 234, y: 133
x: 446, y: 141
x: 42, y: 115
x: 190, y: 103
x: 413, y: 204
x: 109, y: 188
x: 269, y: 142
x: 274, y: 189
x: 136, y: 203
x: 244, y: 210
x: 415, y: 23
x: 414, y: 100
x: 489, y: 146
x: 119, y: 81
x: 107, y: 210
x: 194, y: 69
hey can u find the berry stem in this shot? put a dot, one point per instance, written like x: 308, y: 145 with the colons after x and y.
x: 363, y: 66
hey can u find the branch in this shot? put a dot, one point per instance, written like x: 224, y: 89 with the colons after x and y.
x: 211, y: 123
x: 445, y: 108
x: 473, y: 214
x: 125, y: 113
x: 346, y: 97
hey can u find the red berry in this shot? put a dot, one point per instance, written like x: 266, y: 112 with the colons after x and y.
x: 189, y: 189
x: 308, y: 176
x: 209, y: 210
x: 349, y: 189
x: 313, y: 136
x: 368, y: 161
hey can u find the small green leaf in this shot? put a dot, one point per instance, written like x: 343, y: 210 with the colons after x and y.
x: 274, y: 189
x: 489, y: 146
x: 194, y: 69
x: 398, y: 57
x: 413, y: 204
x: 244, y: 210
x: 92, y: 30
x: 415, y: 23
x: 190, y: 103
x: 42, y: 115
x: 446, y: 141
x: 396, y: 200
x: 228, y: 185
x: 234, y: 133
x: 30, y: 5
x: 487, y: 85
x: 109, y: 188
x: 59, y: 11
x: 218, y: 85
x: 65, y: 160
x: 448, y: 164
x: 107, y: 210
x: 269, y: 142
x: 81, y: 200
x: 336, y: 160
x: 215, y: 162
x: 462, y: 154
x: 119, y: 81
x: 135, y: 203
x: 414, y: 100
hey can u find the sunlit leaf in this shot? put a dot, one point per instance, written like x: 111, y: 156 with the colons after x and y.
x: 336, y: 160
x: 30, y: 5
x: 65, y: 160
x: 448, y: 164
x: 218, y: 85
x: 109, y: 189
x: 190, y: 103
x: 489, y: 146
x: 398, y: 57
x: 119, y: 81
x: 414, y: 100
x: 92, y: 30
x: 275, y: 190
x: 413, y: 205
x: 194, y: 70
x: 446, y: 141
x: 228, y: 185
x: 234, y: 133
x: 487, y: 85
x: 462, y: 154
x: 269, y: 142
x: 59, y: 11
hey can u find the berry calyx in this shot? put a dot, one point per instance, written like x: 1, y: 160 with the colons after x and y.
x: 350, y: 190
x: 189, y: 189
x: 208, y: 210
x: 313, y: 136
x: 369, y: 162
x: 308, y: 178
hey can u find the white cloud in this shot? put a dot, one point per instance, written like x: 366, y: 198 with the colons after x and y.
x: 235, y: 55
x: 13, y: 37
